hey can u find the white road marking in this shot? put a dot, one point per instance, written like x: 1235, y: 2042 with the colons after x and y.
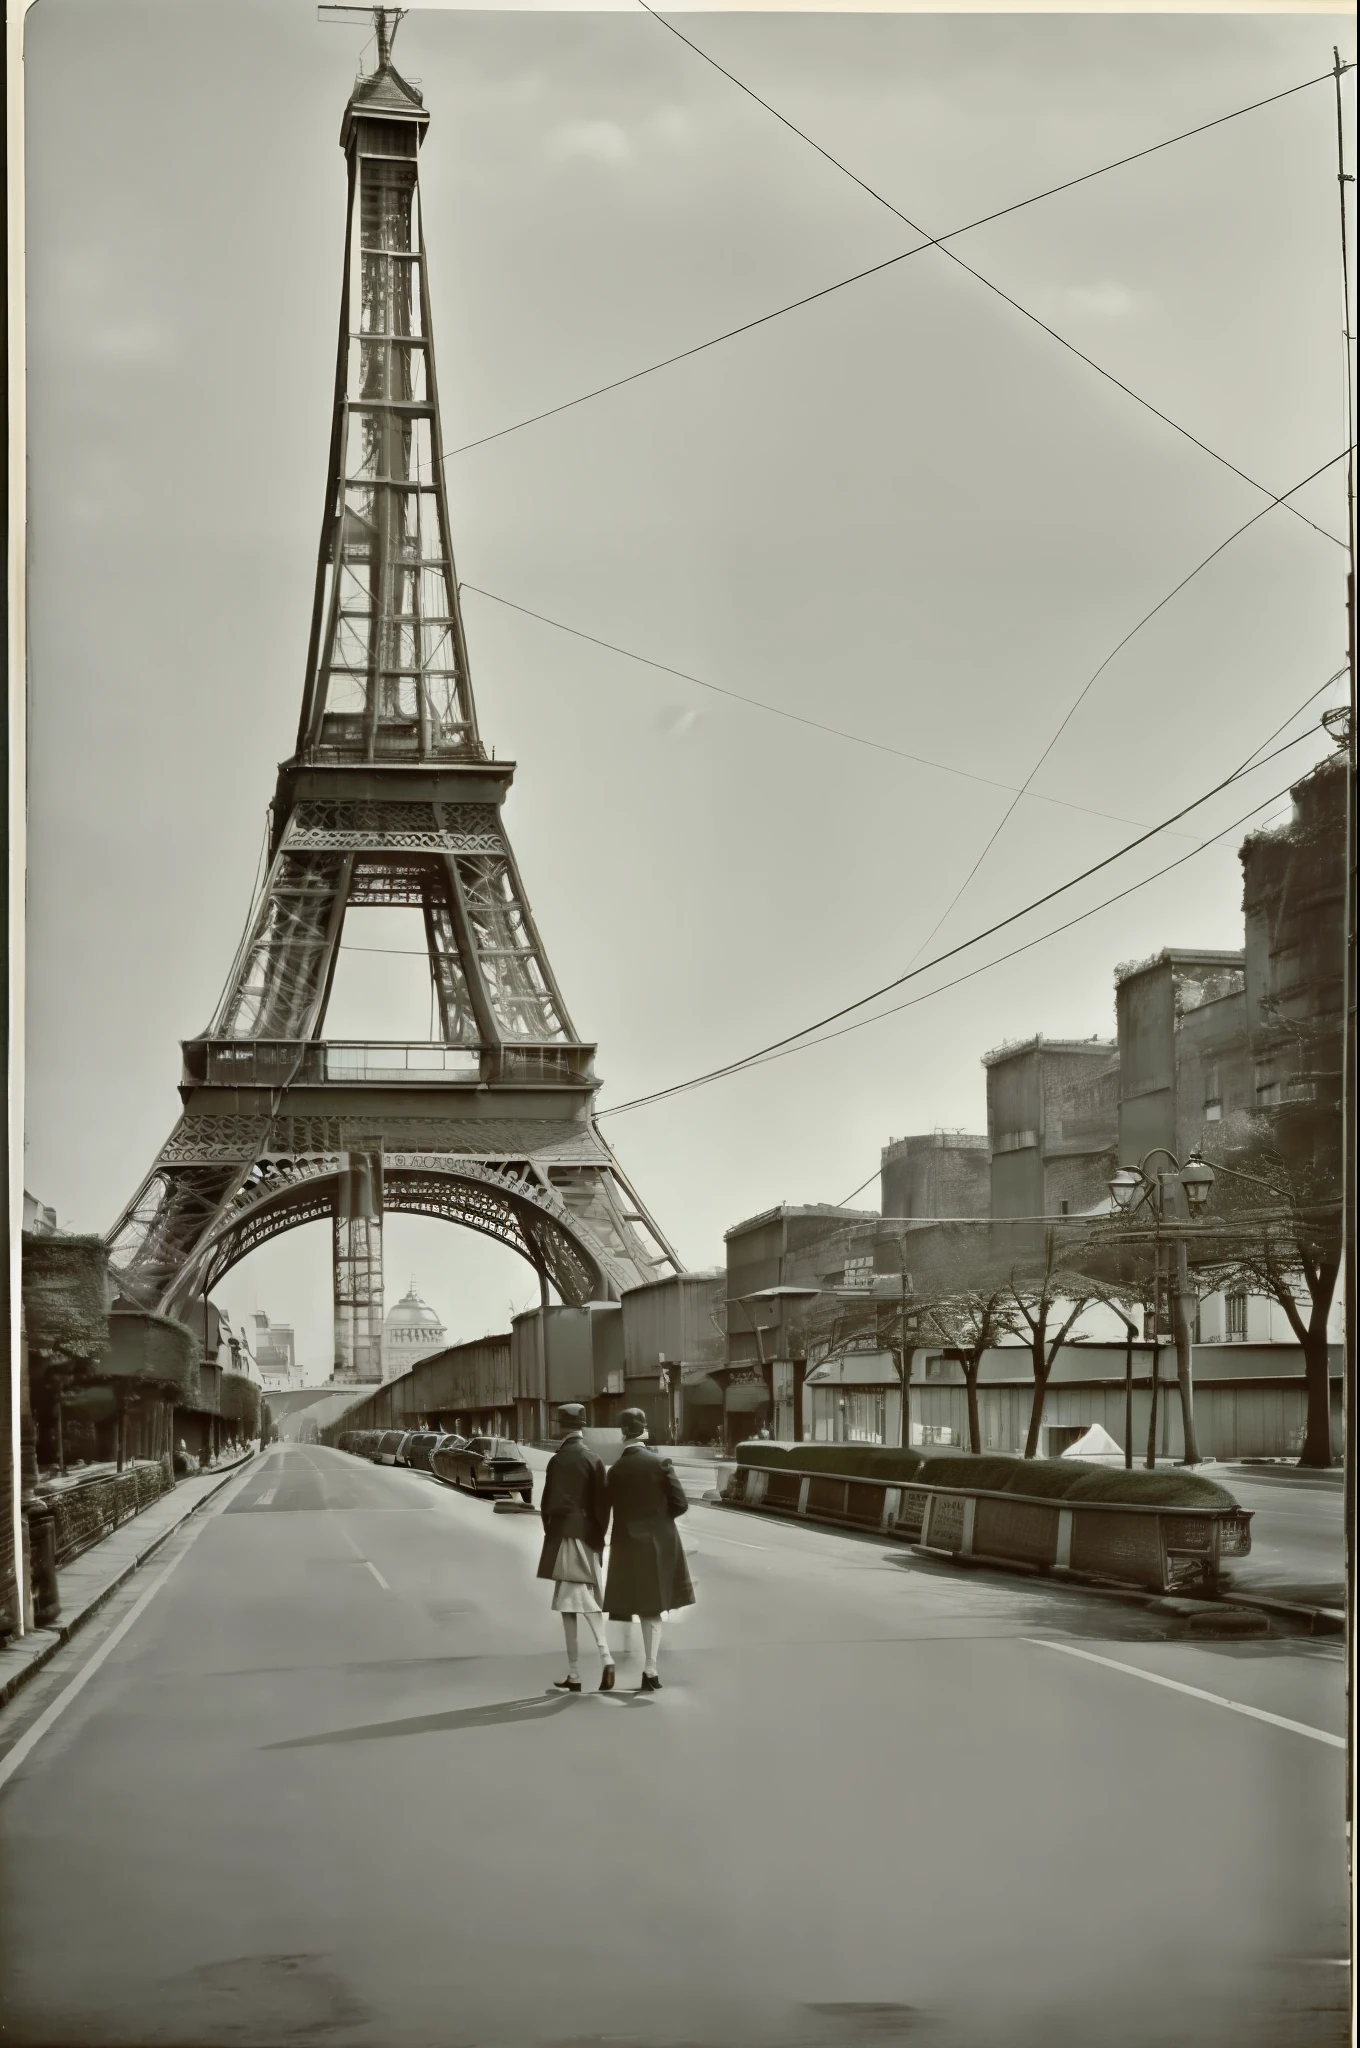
x: 1195, y: 1693
x: 377, y: 1575
x: 266, y: 1497
x: 50, y: 1715
x: 712, y: 1536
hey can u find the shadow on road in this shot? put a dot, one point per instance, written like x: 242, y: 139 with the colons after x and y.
x: 499, y: 1714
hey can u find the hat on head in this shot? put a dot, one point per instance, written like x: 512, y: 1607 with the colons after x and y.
x: 572, y: 1414
x: 633, y: 1422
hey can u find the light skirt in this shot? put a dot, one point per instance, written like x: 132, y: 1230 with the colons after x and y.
x: 576, y: 1573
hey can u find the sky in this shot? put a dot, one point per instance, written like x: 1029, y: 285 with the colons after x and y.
x: 903, y: 511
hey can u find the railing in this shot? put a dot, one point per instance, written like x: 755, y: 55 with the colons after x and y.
x: 384, y: 1062
x: 289, y: 1063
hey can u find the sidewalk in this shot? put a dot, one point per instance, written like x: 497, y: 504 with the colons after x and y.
x: 89, y: 1579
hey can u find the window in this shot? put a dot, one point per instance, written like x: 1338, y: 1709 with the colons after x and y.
x: 1064, y: 1208
x: 1235, y: 1305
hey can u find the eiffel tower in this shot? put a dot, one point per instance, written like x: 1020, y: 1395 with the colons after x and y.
x: 389, y: 799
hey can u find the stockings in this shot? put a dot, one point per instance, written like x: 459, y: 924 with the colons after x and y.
x: 651, y: 1643
x: 595, y: 1623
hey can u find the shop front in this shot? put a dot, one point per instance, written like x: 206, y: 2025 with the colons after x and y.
x: 855, y: 1399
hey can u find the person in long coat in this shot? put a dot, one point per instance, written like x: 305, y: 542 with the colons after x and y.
x: 575, y: 1513
x: 648, y: 1575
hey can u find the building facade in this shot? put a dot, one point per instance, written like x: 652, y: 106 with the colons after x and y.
x: 937, y: 1173
x: 275, y: 1350
x: 564, y: 1353
x: 1184, y: 1056
x: 1053, y: 1125
x: 673, y: 1354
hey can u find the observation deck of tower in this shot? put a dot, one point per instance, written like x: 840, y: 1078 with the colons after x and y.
x: 390, y: 799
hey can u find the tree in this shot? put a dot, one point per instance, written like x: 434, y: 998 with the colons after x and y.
x: 1276, y: 1231
x: 1040, y: 1295
x: 966, y: 1297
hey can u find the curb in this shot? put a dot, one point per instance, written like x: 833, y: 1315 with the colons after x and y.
x: 1322, y: 1621
x: 64, y: 1630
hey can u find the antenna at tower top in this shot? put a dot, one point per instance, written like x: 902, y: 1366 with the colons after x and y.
x: 385, y: 23
x: 383, y: 20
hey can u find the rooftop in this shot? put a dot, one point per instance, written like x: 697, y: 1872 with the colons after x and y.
x: 1012, y: 1048
x: 1173, y: 956
x: 796, y: 1209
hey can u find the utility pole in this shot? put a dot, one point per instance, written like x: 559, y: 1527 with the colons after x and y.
x: 1348, y: 1095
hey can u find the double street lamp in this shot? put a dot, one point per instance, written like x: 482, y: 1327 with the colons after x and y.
x: 1132, y: 1187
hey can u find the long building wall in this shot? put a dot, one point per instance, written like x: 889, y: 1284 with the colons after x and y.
x: 1260, y: 1418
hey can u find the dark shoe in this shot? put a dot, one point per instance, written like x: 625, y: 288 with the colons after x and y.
x: 607, y: 1679
x: 649, y: 1684
x: 566, y: 1685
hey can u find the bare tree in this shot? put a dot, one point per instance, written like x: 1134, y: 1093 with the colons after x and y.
x: 1040, y: 1295
x: 1277, y: 1231
x: 967, y: 1299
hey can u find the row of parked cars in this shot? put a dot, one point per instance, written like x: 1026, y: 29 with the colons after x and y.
x: 486, y: 1465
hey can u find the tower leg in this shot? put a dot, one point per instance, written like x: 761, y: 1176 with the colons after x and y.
x: 357, y: 1269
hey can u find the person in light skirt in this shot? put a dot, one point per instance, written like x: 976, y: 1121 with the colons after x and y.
x: 575, y: 1515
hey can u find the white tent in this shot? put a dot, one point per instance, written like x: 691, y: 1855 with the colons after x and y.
x: 1097, y: 1443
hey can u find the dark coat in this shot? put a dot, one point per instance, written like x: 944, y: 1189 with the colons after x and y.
x: 573, y: 1502
x: 648, y: 1574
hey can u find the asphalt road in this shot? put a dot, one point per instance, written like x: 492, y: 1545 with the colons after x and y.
x: 1298, y: 1543
x: 318, y: 1790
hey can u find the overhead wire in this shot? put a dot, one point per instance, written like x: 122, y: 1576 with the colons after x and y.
x: 794, y: 717
x: 902, y: 256
x: 421, y: 953
x: 939, y: 241
x: 986, y: 967
x: 952, y: 952
x: 1094, y: 678
x: 803, y: 1043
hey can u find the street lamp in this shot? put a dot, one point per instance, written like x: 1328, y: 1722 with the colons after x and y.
x: 1130, y: 1187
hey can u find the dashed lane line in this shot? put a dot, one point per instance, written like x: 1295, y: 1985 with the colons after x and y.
x: 1195, y: 1692
x: 377, y: 1575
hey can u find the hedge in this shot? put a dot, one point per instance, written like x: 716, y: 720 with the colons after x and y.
x: 153, y: 1351
x: 66, y: 1296
x: 1040, y: 1478
x: 240, y: 1401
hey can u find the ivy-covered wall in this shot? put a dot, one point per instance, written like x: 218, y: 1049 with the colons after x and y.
x: 67, y: 1295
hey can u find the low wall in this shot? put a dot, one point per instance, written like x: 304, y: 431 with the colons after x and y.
x: 1140, y: 1541
x: 88, y: 1508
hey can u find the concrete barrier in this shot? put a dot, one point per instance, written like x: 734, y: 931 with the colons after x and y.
x: 1163, y: 1549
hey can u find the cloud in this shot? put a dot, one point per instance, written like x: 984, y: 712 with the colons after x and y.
x: 1106, y: 301
x: 672, y: 124
x: 131, y: 341
x: 604, y: 142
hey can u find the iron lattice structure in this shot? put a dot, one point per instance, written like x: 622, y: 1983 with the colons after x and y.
x: 390, y: 798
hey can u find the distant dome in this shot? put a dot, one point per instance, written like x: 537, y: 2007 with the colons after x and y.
x: 411, y: 1313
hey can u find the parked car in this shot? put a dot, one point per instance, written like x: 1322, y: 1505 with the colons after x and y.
x: 415, y: 1451
x: 385, y: 1451
x: 484, y: 1465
